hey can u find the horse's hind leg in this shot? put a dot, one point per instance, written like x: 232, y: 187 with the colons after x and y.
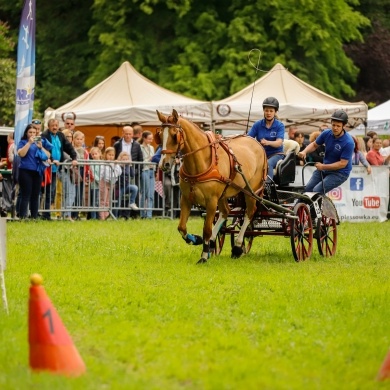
x: 250, y: 211
x: 185, y: 210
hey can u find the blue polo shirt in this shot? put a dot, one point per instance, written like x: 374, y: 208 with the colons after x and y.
x: 260, y: 131
x: 337, y: 149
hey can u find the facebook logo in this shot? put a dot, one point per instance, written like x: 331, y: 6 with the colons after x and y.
x: 356, y: 184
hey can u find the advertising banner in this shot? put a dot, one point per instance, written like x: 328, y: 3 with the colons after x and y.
x: 362, y: 198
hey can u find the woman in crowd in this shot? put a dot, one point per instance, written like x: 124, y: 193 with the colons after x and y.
x: 361, y: 146
x: 32, y: 157
x: 374, y: 157
x: 367, y: 143
x: 147, y: 179
x: 358, y: 156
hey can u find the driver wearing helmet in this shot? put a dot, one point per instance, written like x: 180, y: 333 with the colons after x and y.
x: 270, y: 133
x: 337, y: 164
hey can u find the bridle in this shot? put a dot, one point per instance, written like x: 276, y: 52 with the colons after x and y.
x: 179, y: 138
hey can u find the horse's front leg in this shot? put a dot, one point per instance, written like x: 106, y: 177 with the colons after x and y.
x: 185, y: 210
x: 207, y: 230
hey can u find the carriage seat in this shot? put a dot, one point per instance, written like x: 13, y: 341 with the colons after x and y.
x: 285, y: 170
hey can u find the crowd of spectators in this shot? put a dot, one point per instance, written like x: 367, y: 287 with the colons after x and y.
x: 54, y: 169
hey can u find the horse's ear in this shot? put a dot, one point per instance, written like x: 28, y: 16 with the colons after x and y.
x: 175, y: 115
x: 161, y: 117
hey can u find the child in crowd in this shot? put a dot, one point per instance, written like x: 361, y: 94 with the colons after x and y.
x: 124, y: 186
x: 109, y: 174
x: 95, y: 155
x: 81, y: 172
x: 99, y: 142
x: 147, y: 178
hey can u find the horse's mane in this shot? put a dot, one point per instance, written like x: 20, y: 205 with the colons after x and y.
x: 181, y: 119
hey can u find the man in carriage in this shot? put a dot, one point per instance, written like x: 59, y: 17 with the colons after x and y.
x: 337, y: 164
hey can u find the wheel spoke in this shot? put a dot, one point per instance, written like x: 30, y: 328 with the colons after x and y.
x: 302, y: 233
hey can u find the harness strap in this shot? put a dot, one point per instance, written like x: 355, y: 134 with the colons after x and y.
x: 212, y: 173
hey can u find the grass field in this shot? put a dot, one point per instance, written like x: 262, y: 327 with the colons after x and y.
x: 143, y: 315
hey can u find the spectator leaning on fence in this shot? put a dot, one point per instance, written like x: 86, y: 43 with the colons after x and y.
x: 60, y: 145
x: 358, y: 157
x: 337, y: 163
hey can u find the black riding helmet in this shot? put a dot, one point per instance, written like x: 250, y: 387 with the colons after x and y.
x: 340, y: 116
x: 271, y: 102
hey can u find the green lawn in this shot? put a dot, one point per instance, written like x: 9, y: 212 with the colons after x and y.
x: 143, y: 315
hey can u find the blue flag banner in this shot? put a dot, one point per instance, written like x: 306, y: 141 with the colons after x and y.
x: 25, y: 70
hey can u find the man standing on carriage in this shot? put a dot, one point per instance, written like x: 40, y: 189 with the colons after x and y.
x: 270, y: 133
x: 337, y: 164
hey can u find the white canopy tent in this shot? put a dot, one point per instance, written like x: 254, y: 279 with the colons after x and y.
x: 300, y: 103
x: 127, y: 96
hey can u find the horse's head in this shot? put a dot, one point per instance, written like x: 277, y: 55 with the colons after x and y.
x: 169, y: 136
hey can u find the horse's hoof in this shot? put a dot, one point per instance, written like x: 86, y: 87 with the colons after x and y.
x: 237, y: 251
x: 193, y: 239
x: 202, y: 261
x: 212, y: 245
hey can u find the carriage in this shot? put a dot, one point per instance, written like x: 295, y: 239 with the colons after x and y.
x: 310, y: 217
x: 227, y: 179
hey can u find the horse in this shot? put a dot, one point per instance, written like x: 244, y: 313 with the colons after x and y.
x: 212, y: 171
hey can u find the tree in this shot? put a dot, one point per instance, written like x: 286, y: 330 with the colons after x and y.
x: 7, y: 77
x: 200, y: 48
x: 372, y: 56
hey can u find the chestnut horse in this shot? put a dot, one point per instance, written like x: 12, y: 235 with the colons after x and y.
x: 212, y: 171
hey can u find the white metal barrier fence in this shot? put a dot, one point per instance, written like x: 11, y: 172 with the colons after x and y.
x: 100, y: 189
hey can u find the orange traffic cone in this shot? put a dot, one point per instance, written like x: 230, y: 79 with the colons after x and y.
x: 384, y: 372
x: 51, y: 347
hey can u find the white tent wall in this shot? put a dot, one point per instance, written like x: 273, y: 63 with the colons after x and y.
x: 300, y: 103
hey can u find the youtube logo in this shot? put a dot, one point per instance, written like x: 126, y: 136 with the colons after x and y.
x: 371, y: 202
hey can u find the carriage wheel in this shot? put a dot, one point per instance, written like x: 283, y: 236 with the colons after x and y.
x: 248, y: 240
x: 326, y: 235
x: 220, y: 240
x: 301, y: 233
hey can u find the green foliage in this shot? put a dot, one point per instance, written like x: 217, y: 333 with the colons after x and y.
x: 196, y: 48
x: 143, y: 315
x: 63, y: 56
x: 200, y: 49
x: 7, y: 77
